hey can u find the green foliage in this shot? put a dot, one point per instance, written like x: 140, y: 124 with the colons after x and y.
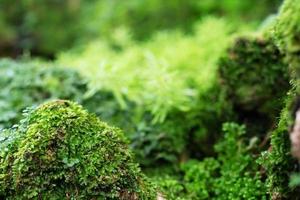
x: 233, y: 174
x: 150, y: 142
x: 200, y: 177
x: 159, y: 143
x: 159, y: 74
x: 59, y: 151
x: 170, y: 187
x: 255, y: 80
x: 30, y: 83
x: 166, y: 86
x: 104, y: 105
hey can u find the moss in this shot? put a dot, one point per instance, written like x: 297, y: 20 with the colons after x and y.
x: 277, y: 161
x: 255, y: 80
x: 60, y: 151
x: 287, y: 33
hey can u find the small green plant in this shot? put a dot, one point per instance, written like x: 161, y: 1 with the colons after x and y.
x: 199, y: 178
x: 170, y: 187
x: 233, y: 174
x: 60, y: 151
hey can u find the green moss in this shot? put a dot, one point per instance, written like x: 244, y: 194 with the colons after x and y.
x: 61, y: 151
x: 255, y: 80
x: 287, y: 33
x: 277, y: 161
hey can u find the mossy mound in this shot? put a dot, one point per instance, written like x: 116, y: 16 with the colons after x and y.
x: 60, y: 151
x: 256, y: 80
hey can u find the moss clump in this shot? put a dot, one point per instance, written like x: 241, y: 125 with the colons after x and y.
x: 60, y: 151
x: 287, y: 33
x: 255, y: 79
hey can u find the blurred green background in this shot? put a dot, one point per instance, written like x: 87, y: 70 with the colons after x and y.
x: 46, y: 27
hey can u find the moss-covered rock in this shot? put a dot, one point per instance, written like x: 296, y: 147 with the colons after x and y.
x: 60, y: 151
x: 278, y: 161
x: 256, y: 80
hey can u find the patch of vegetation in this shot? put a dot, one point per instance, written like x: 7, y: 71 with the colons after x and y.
x: 233, y: 174
x: 167, y: 84
x: 60, y: 151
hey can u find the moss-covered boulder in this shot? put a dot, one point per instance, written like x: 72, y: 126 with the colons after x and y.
x: 278, y: 161
x: 60, y: 151
x: 255, y: 80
